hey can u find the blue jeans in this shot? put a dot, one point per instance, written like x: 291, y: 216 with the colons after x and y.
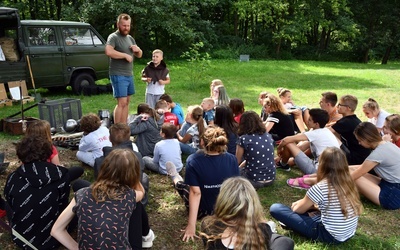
x: 304, y: 224
x: 187, y: 149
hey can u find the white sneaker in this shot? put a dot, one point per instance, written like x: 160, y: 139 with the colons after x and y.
x: 272, y: 225
x: 171, y: 171
x: 147, y: 241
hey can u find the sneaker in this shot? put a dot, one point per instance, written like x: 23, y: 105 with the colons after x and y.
x: 284, y: 168
x: 147, y: 241
x: 272, y: 225
x: 171, y: 171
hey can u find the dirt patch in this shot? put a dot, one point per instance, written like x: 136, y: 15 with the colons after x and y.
x: 167, y: 214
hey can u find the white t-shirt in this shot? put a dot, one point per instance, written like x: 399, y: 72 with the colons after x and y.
x: 378, y: 122
x: 155, y: 88
x: 320, y: 139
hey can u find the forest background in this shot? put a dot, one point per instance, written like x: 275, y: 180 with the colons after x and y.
x: 328, y: 30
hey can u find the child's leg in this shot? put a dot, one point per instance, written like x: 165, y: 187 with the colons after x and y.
x: 85, y: 157
x: 149, y: 164
x: 300, y: 223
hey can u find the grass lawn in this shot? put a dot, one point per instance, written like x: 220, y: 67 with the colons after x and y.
x: 377, y: 229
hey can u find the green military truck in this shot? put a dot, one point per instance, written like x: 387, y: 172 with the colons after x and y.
x: 59, y: 53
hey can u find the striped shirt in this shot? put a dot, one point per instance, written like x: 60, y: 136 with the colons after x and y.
x: 332, y: 218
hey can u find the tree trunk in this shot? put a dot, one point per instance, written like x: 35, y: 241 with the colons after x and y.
x: 365, y: 57
x: 387, y: 54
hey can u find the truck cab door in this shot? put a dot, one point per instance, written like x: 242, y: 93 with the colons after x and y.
x: 45, y: 55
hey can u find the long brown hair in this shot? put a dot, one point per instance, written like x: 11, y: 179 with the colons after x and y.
x: 334, y: 168
x: 119, y: 172
x: 197, y: 115
x: 40, y: 128
x: 238, y: 209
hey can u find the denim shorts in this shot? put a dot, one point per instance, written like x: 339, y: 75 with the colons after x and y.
x: 123, y: 86
x: 389, y: 197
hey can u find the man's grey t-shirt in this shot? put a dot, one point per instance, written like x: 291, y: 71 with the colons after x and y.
x: 121, y: 67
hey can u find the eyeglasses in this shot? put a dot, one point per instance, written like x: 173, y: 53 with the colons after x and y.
x: 343, y: 105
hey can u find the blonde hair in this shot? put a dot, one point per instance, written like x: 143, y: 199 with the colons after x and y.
x: 275, y: 104
x: 215, y: 139
x: 123, y: 16
x: 238, y: 209
x: 40, y: 128
x: 351, y: 101
x: 214, y: 83
x: 119, y: 172
x: 371, y: 104
x: 209, y: 100
x: 158, y: 51
x: 334, y: 168
x: 282, y: 91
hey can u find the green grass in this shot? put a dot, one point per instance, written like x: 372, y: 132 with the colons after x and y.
x: 378, y: 228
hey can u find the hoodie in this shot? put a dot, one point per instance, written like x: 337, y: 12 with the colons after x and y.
x: 147, y: 133
x: 36, y: 193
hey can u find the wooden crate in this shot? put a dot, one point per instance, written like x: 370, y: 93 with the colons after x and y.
x: 4, y: 101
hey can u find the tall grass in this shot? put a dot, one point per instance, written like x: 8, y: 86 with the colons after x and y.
x: 378, y: 228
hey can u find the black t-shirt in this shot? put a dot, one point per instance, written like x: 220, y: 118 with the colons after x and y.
x: 345, y: 127
x: 283, y: 126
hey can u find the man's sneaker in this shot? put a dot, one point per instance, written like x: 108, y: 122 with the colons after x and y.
x: 171, y: 171
x: 284, y: 168
x: 147, y: 241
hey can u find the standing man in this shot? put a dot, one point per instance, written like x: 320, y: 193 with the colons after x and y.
x: 121, y: 48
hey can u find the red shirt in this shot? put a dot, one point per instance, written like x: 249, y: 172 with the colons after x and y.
x: 171, y: 118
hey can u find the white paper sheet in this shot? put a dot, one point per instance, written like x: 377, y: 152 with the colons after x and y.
x: 15, y: 93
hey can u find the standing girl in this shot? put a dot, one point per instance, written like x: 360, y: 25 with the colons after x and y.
x: 255, y: 151
x: 384, y: 189
x: 112, y: 199
x: 193, y: 134
x: 336, y: 196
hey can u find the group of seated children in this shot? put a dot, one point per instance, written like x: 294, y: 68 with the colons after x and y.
x: 340, y: 157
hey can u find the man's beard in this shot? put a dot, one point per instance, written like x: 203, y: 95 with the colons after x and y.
x: 123, y: 32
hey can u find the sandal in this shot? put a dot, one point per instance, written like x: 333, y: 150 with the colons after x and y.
x: 300, y: 183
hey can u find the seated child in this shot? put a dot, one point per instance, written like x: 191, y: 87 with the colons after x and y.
x: 391, y: 129
x: 194, y: 132
x: 146, y: 126
x: 166, y: 150
x: 36, y: 193
x: 237, y: 107
x: 261, y: 97
x: 162, y: 109
x: 208, y: 110
x: 175, y: 108
x: 94, y: 138
x: 374, y: 113
x: 300, y: 114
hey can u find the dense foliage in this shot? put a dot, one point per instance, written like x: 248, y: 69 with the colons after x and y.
x: 345, y: 30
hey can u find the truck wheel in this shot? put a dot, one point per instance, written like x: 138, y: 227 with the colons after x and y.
x: 82, y: 79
